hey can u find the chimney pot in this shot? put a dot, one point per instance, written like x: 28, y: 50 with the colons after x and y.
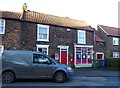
x: 25, y: 7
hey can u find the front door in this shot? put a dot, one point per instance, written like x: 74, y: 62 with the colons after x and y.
x: 64, y: 55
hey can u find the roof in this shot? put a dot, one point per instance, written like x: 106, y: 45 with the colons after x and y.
x: 9, y: 14
x: 97, y: 38
x: 47, y: 19
x: 112, y: 31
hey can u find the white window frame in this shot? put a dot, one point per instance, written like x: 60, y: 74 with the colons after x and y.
x: 2, y: 49
x: 116, y: 53
x: 115, y: 41
x: 82, y: 65
x: 3, y: 30
x: 83, y: 38
x: 63, y: 47
x: 38, y: 31
x: 43, y: 46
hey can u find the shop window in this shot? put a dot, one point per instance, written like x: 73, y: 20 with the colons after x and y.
x: 84, y: 55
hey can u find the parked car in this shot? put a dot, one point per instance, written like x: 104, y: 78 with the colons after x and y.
x: 20, y: 64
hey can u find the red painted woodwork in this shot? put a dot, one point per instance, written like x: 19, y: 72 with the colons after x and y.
x: 64, y: 57
x: 99, y: 56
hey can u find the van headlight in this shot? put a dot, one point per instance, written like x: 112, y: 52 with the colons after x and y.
x: 69, y: 68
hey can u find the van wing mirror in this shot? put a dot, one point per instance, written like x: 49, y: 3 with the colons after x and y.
x: 49, y: 62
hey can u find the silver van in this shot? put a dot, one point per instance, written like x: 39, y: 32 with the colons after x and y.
x: 20, y: 64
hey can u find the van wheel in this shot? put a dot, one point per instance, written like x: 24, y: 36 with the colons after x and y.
x: 8, y: 77
x: 59, y: 77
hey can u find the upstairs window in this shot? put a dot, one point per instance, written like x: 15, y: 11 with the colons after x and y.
x: 115, y: 54
x: 2, y: 26
x: 43, y: 33
x: 81, y: 37
x: 115, y: 41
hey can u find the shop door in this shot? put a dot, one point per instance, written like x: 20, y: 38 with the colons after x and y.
x: 64, y: 56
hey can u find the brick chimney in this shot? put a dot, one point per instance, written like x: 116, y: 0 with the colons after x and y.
x: 24, y: 7
x: 24, y: 11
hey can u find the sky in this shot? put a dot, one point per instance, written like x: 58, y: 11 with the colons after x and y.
x: 94, y: 12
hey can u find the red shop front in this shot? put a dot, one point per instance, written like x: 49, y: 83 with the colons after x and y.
x: 83, y: 55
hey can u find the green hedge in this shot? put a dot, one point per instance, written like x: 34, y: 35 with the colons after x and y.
x: 113, y: 63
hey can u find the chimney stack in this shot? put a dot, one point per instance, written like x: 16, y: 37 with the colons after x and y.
x: 24, y: 7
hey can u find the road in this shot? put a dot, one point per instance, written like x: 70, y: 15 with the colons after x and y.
x: 83, y: 78
x: 75, y: 82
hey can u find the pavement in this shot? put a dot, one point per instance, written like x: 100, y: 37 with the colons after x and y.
x: 96, y: 72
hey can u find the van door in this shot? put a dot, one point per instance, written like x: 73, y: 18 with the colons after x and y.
x: 42, y: 66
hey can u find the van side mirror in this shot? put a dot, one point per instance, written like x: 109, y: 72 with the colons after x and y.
x: 48, y: 62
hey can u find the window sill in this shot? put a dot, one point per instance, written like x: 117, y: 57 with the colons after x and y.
x: 43, y: 40
x: 81, y: 43
x: 116, y: 45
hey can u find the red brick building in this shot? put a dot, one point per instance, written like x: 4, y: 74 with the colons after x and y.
x: 99, y: 48
x: 60, y: 37
x: 111, y: 37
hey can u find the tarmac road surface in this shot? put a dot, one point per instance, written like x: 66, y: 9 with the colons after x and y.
x: 75, y: 82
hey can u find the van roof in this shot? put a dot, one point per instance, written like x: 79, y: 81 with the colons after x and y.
x: 22, y: 51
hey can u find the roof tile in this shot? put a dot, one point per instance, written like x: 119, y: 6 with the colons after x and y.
x: 97, y: 38
x: 110, y: 30
x: 9, y: 14
x: 47, y: 18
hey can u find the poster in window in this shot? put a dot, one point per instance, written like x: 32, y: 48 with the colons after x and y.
x: 56, y: 56
x: 78, y: 49
x: 84, y: 56
x: 78, y: 56
x: 89, y: 56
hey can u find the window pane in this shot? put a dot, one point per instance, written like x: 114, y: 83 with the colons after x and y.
x: 115, y: 54
x: 115, y: 41
x: 43, y: 33
x: 81, y: 36
x: 40, y: 49
x: 43, y: 36
x: 39, y: 59
x: 81, y: 40
x: 2, y: 26
x: 1, y: 50
x: 43, y: 30
x: 43, y: 50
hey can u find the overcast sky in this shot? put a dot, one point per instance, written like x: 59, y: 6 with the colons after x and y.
x: 104, y: 12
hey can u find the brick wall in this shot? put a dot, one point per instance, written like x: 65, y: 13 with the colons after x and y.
x: 11, y: 38
x: 28, y: 36
x: 23, y: 35
x: 90, y: 37
x: 109, y: 47
x: 60, y: 36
